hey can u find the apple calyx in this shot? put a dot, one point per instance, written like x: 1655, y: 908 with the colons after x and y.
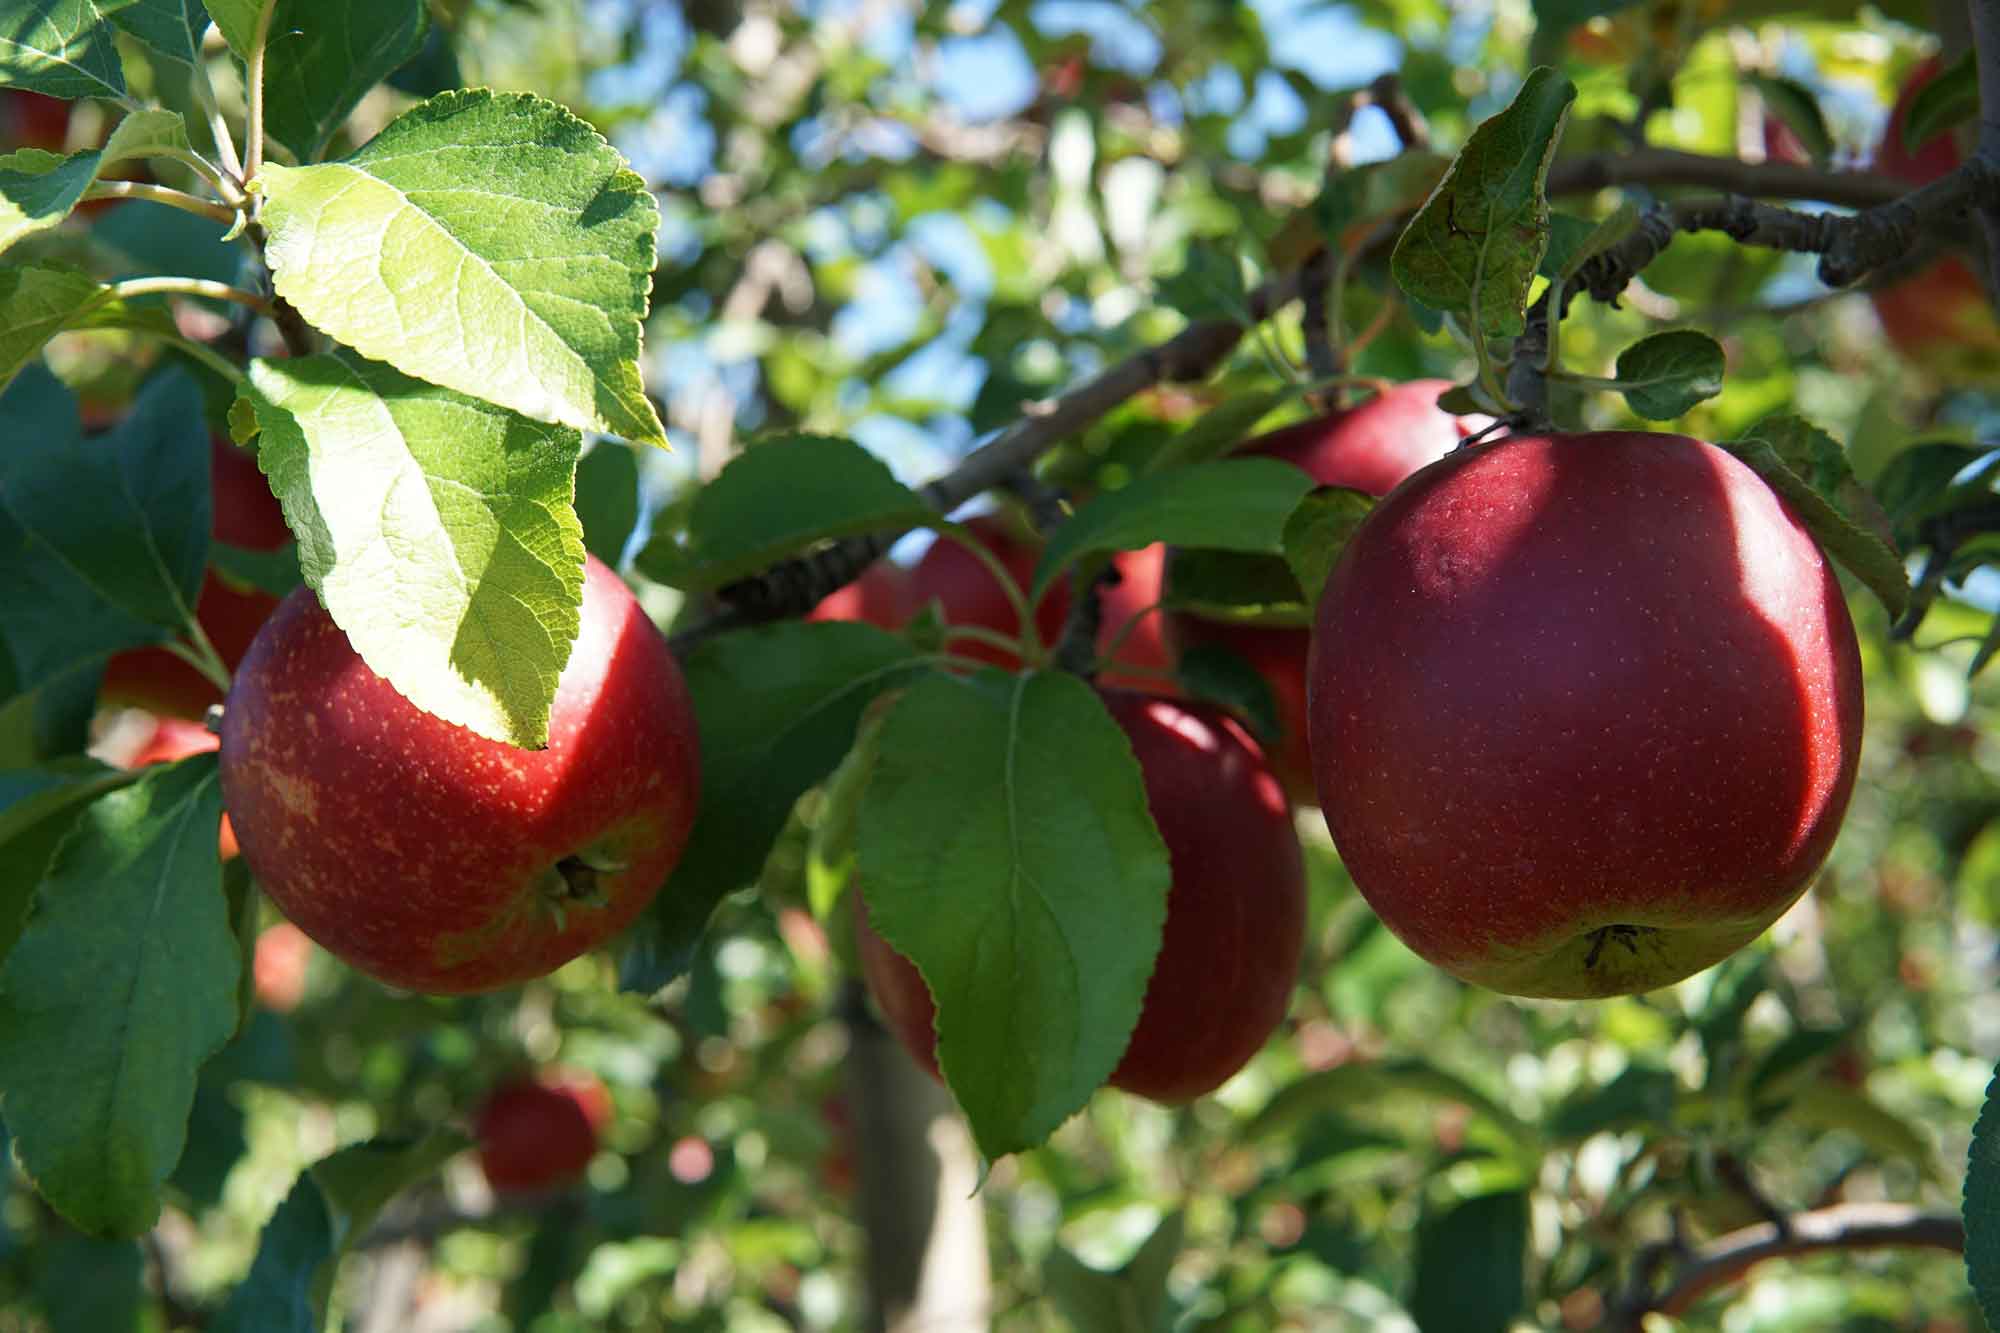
x: 1625, y: 935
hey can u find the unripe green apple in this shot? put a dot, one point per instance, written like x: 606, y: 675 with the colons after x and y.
x: 431, y: 857
x: 1586, y: 711
x: 1235, y: 911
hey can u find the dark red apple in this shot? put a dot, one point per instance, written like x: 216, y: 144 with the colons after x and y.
x: 1235, y: 912
x: 1939, y: 317
x: 1134, y: 600
x: 1370, y: 448
x: 177, y: 738
x: 430, y: 857
x: 541, y: 1132
x: 1585, y: 711
x: 33, y: 120
x: 880, y: 597
x: 968, y: 593
x: 245, y: 514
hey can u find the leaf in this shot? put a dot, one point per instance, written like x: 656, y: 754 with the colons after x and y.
x: 1220, y: 429
x: 236, y: 20
x: 490, y: 243
x: 1133, y: 1299
x: 1237, y: 586
x: 1865, y: 554
x: 1786, y: 1067
x: 33, y: 825
x: 91, y: 1286
x: 1556, y: 14
x: 278, y: 1294
x: 38, y: 190
x: 1212, y: 672
x: 327, y: 57
x: 1364, y: 1084
x: 1319, y: 530
x: 1664, y: 375
x: 38, y: 302
x: 65, y: 48
x: 1235, y: 504
x: 1567, y: 238
x: 1881, y: 1130
x: 122, y: 984
x: 1469, y: 1271
x: 275, y: 572
x: 148, y: 133
x: 1944, y: 102
x: 1982, y: 1207
x: 173, y: 28
x: 1613, y: 228
x: 607, y: 499
x: 1473, y: 248
x: 52, y: 622
x: 1919, y: 482
x: 1795, y: 106
x: 1209, y: 284
x: 1007, y: 849
x: 437, y: 531
x: 51, y: 719
x: 127, y: 513
x: 778, y: 499
x: 1640, y: 1095
x: 777, y: 708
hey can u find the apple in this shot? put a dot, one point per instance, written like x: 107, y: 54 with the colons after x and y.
x: 1235, y: 912
x: 1585, y: 711
x: 535, y: 1133
x: 437, y: 860
x: 33, y: 120
x: 1939, y: 316
x: 879, y: 597
x: 278, y: 966
x: 1369, y: 448
x: 176, y: 738
x: 245, y: 514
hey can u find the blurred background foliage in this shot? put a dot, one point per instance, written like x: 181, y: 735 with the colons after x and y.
x: 902, y: 223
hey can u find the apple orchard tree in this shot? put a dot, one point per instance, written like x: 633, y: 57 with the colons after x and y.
x: 1025, y: 666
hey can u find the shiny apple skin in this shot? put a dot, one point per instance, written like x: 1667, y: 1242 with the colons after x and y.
x: 1564, y: 686
x: 421, y: 852
x: 1236, y: 909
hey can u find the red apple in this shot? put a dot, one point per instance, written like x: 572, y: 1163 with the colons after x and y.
x: 433, y: 858
x: 1940, y: 316
x: 1369, y: 448
x: 245, y: 514
x: 278, y: 966
x: 541, y: 1132
x: 1235, y: 912
x: 969, y: 594
x: 1135, y: 600
x: 33, y: 120
x: 176, y: 738
x: 879, y: 597
x: 1585, y: 711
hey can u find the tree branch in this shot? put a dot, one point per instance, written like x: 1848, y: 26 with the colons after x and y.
x: 1844, y: 1226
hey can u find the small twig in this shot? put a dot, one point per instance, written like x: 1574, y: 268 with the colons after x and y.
x: 253, y: 149
x: 1076, y: 649
x: 161, y: 194
x: 220, y: 291
x: 218, y: 128
x: 1387, y: 94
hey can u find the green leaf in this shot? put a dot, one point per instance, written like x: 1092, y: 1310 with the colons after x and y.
x: 276, y: 572
x: 1982, y: 1207
x: 1133, y: 1299
x: 128, y: 513
x: 1209, y: 285
x: 53, y: 622
x: 607, y: 499
x: 91, y: 1286
x: 778, y: 499
x: 1795, y: 106
x: 1007, y: 849
x: 1238, y: 586
x: 236, y: 20
x: 437, y: 531
x: 148, y: 133
x: 38, y: 190
x: 1319, y: 530
x: 1558, y: 14
x: 1944, y: 102
x: 65, y: 48
x: 1918, y: 483
x: 1220, y: 429
x: 1212, y: 672
x: 1235, y: 504
x: 173, y: 28
x: 490, y: 243
x: 1827, y: 499
x: 1664, y: 375
x: 122, y: 984
x: 38, y: 807
x: 777, y: 708
x: 1567, y: 238
x: 1613, y: 228
x: 1881, y: 1130
x: 1786, y: 1067
x: 1473, y: 249
x: 1641, y: 1095
x: 278, y: 1295
x: 52, y: 719
x: 1369, y: 1084
x: 39, y: 301
x: 327, y: 57
x: 1470, y: 1260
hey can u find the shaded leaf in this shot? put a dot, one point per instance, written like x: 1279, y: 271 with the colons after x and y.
x: 65, y: 48
x: 327, y: 57
x: 1664, y: 375
x: 1319, y: 530
x: 1470, y: 1265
